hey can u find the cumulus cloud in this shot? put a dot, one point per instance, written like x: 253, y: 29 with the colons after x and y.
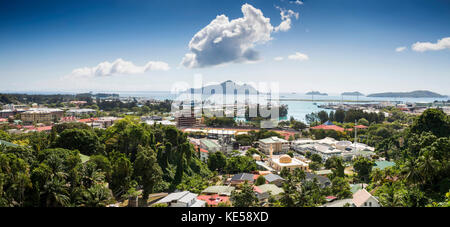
x: 298, y: 56
x: 400, y: 49
x: 426, y: 46
x: 297, y: 2
x: 223, y: 41
x: 278, y: 58
x: 118, y: 67
x: 286, y: 20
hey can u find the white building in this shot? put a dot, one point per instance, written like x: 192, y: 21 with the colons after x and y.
x: 182, y: 199
x: 80, y: 112
x: 277, y: 145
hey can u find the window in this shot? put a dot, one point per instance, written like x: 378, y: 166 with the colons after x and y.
x: 370, y: 204
x: 365, y: 204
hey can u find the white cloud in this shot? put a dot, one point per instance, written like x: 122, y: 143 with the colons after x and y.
x: 426, y: 46
x: 118, y: 67
x: 278, y: 58
x: 286, y: 16
x: 298, y: 56
x: 400, y: 49
x: 223, y: 41
x: 297, y: 2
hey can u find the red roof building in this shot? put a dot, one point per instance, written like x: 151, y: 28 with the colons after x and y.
x: 214, y: 200
x: 329, y: 127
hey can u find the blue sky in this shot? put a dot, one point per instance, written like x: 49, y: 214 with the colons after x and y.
x: 342, y: 45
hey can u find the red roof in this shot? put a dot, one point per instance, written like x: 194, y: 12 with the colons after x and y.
x: 214, y: 200
x: 45, y: 128
x: 203, y: 150
x: 3, y: 120
x: 256, y: 189
x: 361, y: 126
x: 87, y: 120
x: 329, y: 127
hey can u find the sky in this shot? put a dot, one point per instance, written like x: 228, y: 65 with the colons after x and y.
x: 329, y: 46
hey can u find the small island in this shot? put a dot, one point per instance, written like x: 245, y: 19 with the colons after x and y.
x: 316, y: 93
x: 355, y: 93
x: 412, y: 94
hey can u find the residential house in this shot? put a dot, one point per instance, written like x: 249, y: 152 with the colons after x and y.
x: 182, y: 199
x: 285, y: 161
x: 264, y: 191
x: 274, y: 179
x: 241, y: 178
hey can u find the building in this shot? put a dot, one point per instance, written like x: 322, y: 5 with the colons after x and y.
x: 264, y: 191
x: 80, y: 112
x: 210, y: 145
x: 219, y: 190
x: 274, y: 144
x: 323, y: 181
x: 214, y: 200
x: 241, y: 178
x: 10, y: 113
x: 285, y: 161
x: 328, y: 126
x: 182, y: 199
x: 363, y: 198
x: 106, y: 122
x: 41, y: 115
x: 274, y: 179
x: 186, y: 121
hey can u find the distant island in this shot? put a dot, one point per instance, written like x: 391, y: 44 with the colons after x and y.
x: 316, y: 93
x: 412, y: 94
x: 213, y: 89
x: 355, y: 93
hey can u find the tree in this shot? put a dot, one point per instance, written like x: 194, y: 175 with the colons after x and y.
x: 363, y: 168
x: 239, y: 164
x: 434, y: 121
x: 245, y: 198
x: 363, y: 121
x: 122, y: 171
x: 316, y: 158
x: 340, y: 188
x: 217, y: 161
x: 260, y: 180
x: 147, y: 170
x: 86, y: 141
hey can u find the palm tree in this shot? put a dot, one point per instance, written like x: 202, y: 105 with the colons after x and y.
x: 427, y: 167
x: 97, y: 196
x: 57, y: 192
x: 411, y: 171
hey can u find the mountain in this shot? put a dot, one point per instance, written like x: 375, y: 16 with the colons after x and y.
x: 355, y: 93
x: 412, y: 94
x: 316, y: 93
x: 213, y: 89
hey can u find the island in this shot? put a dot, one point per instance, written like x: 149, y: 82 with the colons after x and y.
x: 316, y: 93
x: 412, y: 94
x: 216, y: 88
x: 355, y: 93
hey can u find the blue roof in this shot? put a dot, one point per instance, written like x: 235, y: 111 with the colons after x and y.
x: 328, y: 123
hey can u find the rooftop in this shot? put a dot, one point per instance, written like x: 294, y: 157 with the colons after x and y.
x: 273, y: 139
x: 220, y: 190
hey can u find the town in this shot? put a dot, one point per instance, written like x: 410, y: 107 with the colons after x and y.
x: 143, y: 154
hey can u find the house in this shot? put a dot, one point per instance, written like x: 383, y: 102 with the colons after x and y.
x: 323, y: 181
x: 285, y: 161
x: 219, y: 190
x: 214, y: 200
x: 203, y: 155
x: 362, y: 198
x: 182, y: 199
x: 274, y: 179
x: 241, y: 178
x: 381, y: 165
x: 274, y: 145
x: 329, y: 126
x: 264, y: 191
